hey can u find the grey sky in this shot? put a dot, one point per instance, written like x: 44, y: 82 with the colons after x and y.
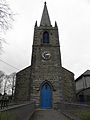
x: 73, y: 19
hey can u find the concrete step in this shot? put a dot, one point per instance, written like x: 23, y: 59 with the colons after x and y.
x: 49, y: 114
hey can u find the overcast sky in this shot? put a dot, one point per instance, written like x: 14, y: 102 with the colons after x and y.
x: 73, y: 19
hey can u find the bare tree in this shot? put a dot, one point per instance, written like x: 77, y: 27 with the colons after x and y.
x: 2, y: 76
x: 6, y: 18
x: 6, y: 15
x: 9, y: 85
x: 5, y: 83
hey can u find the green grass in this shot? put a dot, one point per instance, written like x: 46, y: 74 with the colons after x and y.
x: 8, y: 115
x: 84, y: 115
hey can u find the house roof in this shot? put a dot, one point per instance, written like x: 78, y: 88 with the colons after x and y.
x: 86, y: 73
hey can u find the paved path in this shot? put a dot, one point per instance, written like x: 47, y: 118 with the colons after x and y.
x: 48, y: 115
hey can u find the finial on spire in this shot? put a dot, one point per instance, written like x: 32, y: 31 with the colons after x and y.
x: 45, y: 3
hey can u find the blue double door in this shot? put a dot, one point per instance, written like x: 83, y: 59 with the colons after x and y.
x: 46, y: 96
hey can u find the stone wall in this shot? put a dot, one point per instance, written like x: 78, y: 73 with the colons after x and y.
x: 61, y: 79
x: 23, y: 85
x: 68, y: 84
x: 72, y: 106
x: 46, y: 74
x: 53, y: 35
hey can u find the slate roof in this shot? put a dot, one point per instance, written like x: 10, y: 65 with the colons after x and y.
x: 86, y: 73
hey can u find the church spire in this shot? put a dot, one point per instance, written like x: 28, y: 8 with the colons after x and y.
x: 45, y: 20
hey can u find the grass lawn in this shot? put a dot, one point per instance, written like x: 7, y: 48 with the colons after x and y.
x: 8, y: 115
x: 83, y: 114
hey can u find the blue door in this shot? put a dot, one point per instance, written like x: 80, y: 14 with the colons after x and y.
x: 46, y: 96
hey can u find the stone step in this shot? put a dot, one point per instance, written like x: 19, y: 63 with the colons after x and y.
x: 49, y: 114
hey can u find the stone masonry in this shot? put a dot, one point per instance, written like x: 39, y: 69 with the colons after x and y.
x: 45, y: 69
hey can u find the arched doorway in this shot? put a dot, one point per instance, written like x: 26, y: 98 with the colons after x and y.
x: 46, y: 96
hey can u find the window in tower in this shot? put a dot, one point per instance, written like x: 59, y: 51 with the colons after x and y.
x: 46, y: 37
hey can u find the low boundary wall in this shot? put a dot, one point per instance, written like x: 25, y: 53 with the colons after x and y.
x: 72, y: 106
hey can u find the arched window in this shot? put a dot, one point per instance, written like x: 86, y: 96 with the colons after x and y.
x: 46, y: 37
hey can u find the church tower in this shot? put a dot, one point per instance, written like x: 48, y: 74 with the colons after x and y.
x: 47, y: 69
x: 45, y: 81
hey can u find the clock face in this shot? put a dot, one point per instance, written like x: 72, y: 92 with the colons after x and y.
x: 46, y: 55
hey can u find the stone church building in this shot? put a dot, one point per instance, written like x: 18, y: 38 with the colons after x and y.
x: 45, y: 81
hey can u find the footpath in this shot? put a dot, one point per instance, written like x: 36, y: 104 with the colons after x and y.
x: 48, y: 115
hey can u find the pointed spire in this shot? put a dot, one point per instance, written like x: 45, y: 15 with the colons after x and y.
x: 45, y: 20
